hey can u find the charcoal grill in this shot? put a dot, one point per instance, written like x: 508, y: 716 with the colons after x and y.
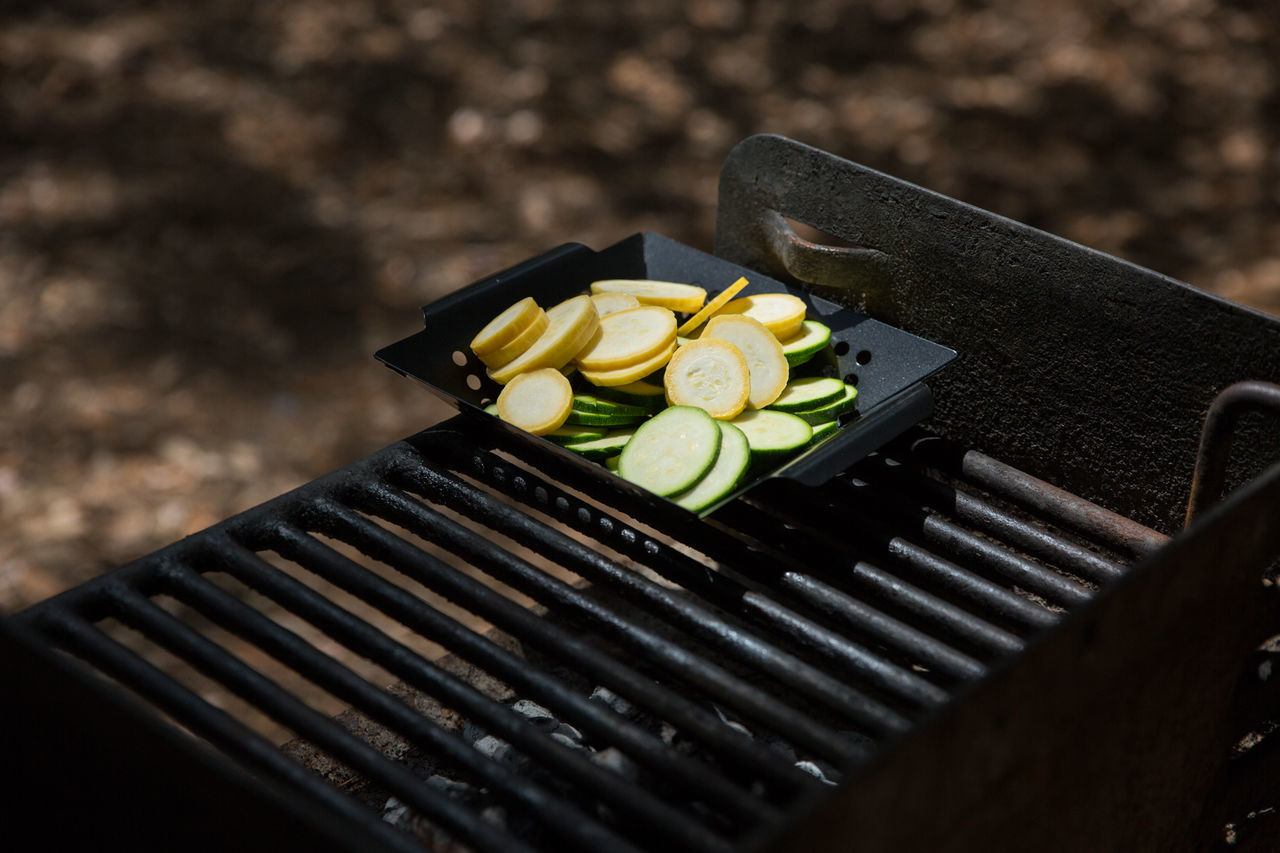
x: 937, y: 649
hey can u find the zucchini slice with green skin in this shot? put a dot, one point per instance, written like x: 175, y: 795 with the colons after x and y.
x: 772, y: 434
x: 491, y: 409
x: 591, y: 403
x: 830, y: 411
x: 810, y: 392
x: 821, y: 432
x: 646, y: 395
x: 599, y: 449
x: 806, y: 343
x: 671, y: 451
x: 601, y: 419
x: 731, y: 464
x: 575, y: 434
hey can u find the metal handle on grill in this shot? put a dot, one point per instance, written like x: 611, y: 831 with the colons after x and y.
x: 844, y: 267
x: 1218, y: 434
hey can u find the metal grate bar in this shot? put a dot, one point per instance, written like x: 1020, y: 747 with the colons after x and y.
x: 236, y: 740
x: 140, y: 613
x: 722, y: 741
x: 683, y: 774
x: 814, y: 547
x: 555, y: 812
x: 720, y: 589
x: 980, y: 514
x: 798, y: 728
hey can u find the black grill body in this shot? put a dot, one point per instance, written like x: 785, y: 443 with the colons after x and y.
x: 978, y: 659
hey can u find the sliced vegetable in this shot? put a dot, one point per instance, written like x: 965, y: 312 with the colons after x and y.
x: 772, y: 434
x: 710, y: 374
x: 612, y: 303
x: 806, y: 343
x: 518, y: 345
x: 808, y: 393
x: 731, y: 463
x: 612, y: 462
x: 538, y: 401
x: 830, y: 411
x: 627, y: 375
x: 647, y: 395
x: 763, y: 354
x: 781, y: 313
x: 671, y: 451
x: 669, y: 294
x: 822, y: 431
x: 502, y: 329
x: 575, y: 433
x: 629, y: 337
x: 610, y: 444
x: 711, y: 308
x: 589, y: 403
x: 571, y: 326
x: 491, y: 409
x: 605, y: 419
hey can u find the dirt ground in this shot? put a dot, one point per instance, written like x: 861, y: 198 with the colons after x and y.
x: 212, y: 213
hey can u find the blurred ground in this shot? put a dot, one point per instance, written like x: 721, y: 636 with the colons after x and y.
x: 211, y: 213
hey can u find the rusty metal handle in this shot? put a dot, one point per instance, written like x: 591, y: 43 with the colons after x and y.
x: 1217, y: 435
x: 843, y: 267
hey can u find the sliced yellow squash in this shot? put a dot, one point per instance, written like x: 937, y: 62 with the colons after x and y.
x: 629, y: 374
x: 504, y: 328
x: 517, y: 345
x: 781, y: 313
x: 538, y: 401
x: 763, y: 354
x: 710, y: 308
x: 669, y: 294
x: 611, y: 303
x: 570, y: 327
x: 628, y: 337
x: 710, y: 374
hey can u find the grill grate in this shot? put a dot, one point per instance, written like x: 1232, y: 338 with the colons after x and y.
x: 765, y: 650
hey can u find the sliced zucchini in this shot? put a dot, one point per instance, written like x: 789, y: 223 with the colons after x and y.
x: 571, y: 325
x: 627, y: 375
x: 601, y: 418
x: 772, y: 434
x: 611, y: 303
x: 491, y: 409
x: 629, y: 337
x: 518, y: 345
x: 711, y: 374
x: 710, y: 308
x: 731, y: 464
x: 763, y: 354
x: 823, y: 431
x: 810, y: 392
x: 538, y: 401
x: 611, y: 462
x: 646, y: 395
x: 502, y: 329
x: 781, y: 313
x: 591, y: 403
x: 685, y: 298
x: 842, y: 405
x: 671, y: 451
x: 806, y: 343
x: 609, y: 444
x: 575, y: 434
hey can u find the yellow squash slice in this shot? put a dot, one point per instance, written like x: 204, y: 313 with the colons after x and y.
x: 629, y: 374
x: 612, y: 303
x: 629, y: 337
x: 519, y: 344
x: 781, y: 313
x: 711, y: 307
x: 710, y: 374
x: 504, y: 328
x: 763, y: 354
x: 538, y: 401
x: 570, y: 327
x: 685, y: 298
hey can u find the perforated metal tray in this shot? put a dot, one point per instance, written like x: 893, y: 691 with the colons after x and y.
x: 887, y: 365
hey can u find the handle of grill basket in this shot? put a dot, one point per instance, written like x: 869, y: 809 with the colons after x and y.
x: 844, y: 267
x: 864, y: 436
